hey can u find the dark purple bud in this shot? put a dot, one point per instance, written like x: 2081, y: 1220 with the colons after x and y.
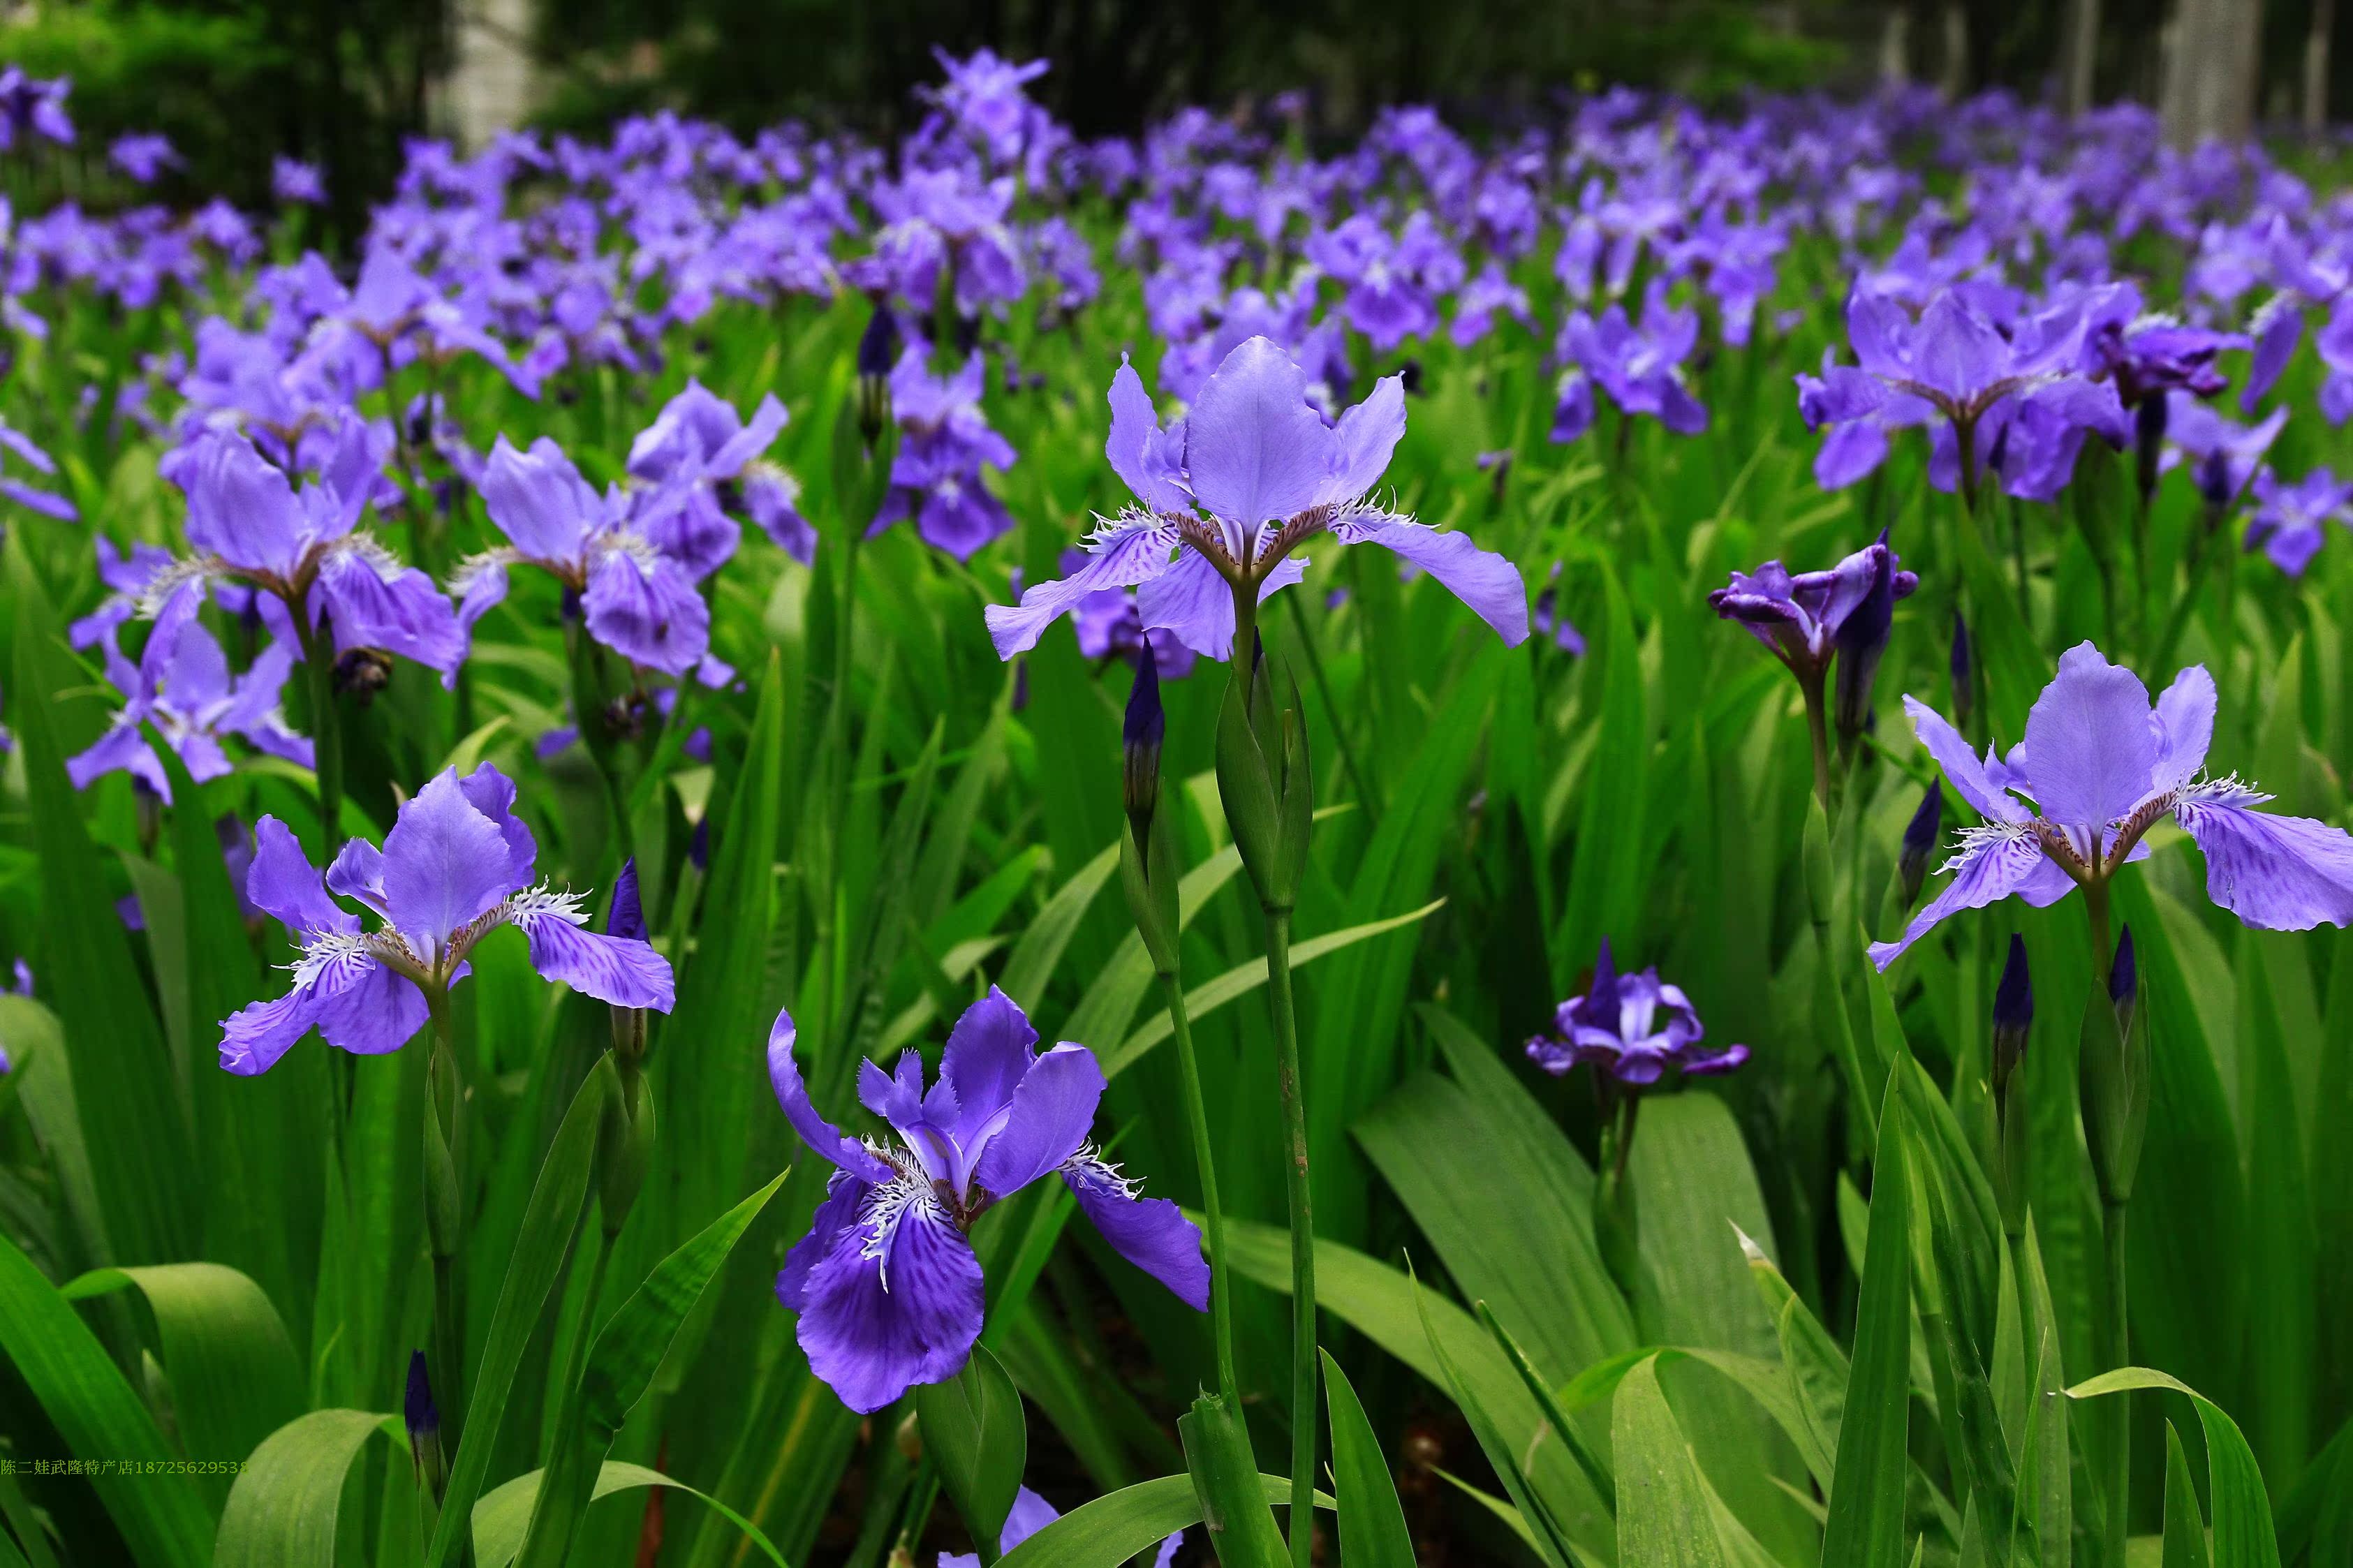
x: 2124, y: 973
x: 2013, y: 1016
x: 1965, y: 673
x: 1920, y: 836
x: 423, y: 1419
x: 2000, y: 456
x: 1862, y: 639
x: 570, y: 606
x: 2216, y: 484
x: 1601, y: 995
x: 878, y: 349
x: 628, y: 918
x: 2149, y: 442
x: 698, y: 847
x: 1141, y: 734
x: 1409, y: 373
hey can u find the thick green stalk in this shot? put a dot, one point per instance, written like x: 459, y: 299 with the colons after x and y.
x: 1196, y: 1112
x: 1818, y: 733
x: 1302, y: 1236
x: 443, y: 1222
x: 326, y: 735
x: 2119, y: 1487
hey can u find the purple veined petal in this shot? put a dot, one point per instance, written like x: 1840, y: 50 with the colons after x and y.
x: 1134, y: 426
x: 895, y: 1302
x: 988, y: 1053
x: 239, y: 508
x: 254, y: 695
x: 445, y: 863
x: 281, y: 742
x: 1572, y: 414
x: 256, y: 1036
x: 1840, y: 394
x: 1486, y: 582
x: 492, y: 793
x: 284, y: 885
x: 2185, y: 721
x: 844, y: 1194
x: 2276, y: 873
x: 1151, y: 1233
x: 1955, y: 350
x: 822, y: 1136
x: 1964, y: 770
x: 759, y: 433
x: 538, y: 500
x: 1878, y: 327
x: 357, y: 872
x: 1193, y: 602
x: 649, y: 615
x: 1255, y: 449
x: 402, y: 611
x: 1120, y: 554
x: 896, y: 1095
x: 1364, y: 440
x: 1988, y: 870
x: 377, y: 1013
x: 1849, y: 452
x: 480, y: 589
x: 619, y: 969
x: 122, y: 749
x: 1047, y: 1121
x: 1029, y: 1514
x: 202, y: 754
x: 688, y: 527
x: 2091, y: 748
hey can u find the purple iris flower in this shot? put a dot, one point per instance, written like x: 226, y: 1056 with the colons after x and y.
x: 30, y: 106
x: 1254, y: 455
x: 984, y: 96
x: 2225, y: 457
x: 1954, y: 371
x: 29, y: 496
x: 1641, y: 367
x: 696, y: 444
x: 1031, y: 1513
x: 2102, y: 766
x: 945, y: 441
x: 1391, y: 282
x: 143, y: 156
x: 1632, y: 1026
x: 1803, y: 618
x: 886, y: 1284
x: 1109, y: 625
x: 640, y: 602
x: 2148, y: 356
x: 457, y: 864
x: 294, y: 182
x: 1475, y: 306
x: 247, y: 522
x: 126, y: 578
x: 773, y: 496
x: 2291, y: 521
x: 183, y: 686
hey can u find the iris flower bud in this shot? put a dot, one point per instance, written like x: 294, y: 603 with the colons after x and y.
x: 628, y: 919
x: 1920, y: 836
x: 878, y: 349
x: 2113, y: 1078
x: 1140, y: 737
x: 1862, y: 639
x: 2149, y: 442
x: 2123, y: 981
x: 423, y: 1419
x: 2013, y: 1016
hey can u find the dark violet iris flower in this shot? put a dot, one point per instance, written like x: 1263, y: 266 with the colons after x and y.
x: 1802, y: 616
x: 1032, y: 1513
x: 182, y: 685
x: 697, y: 443
x: 142, y: 155
x: 1640, y: 366
x: 457, y: 864
x: 296, y: 183
x: 638, y: 600
x: 32, y: 107
x: 1632, y: 1026
x: 2101, y: 767
x: 247, y: 522
x: 2291, y: 521
x: 945, y: 440
x: 1230, y: 493
x: 886, y: 1284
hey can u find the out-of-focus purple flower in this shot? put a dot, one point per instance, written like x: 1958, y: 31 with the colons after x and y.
x: 1641, y: 367
x: 1227, y: 496
x: 295, y: 182
x: 126, y: 578
x: 32, y: 498
x: 183, y: 686
x: 2224, y: 458
x: 2290, y: 524
x: 638, y: 600
x: 142, y: 155
x: 773, y: 496
x: 1803, y: 618
x: 1920, y: 836
x: 944, y: 442
x: 247, y: 522
x: 1476, y: 306
x: 1632, y: 1028
x: 1032, y: 1513
x: 984, y: 96
x: 30, y: 106
x: 1110, y: 625
x: 697, y: 444
x: 457, y: 864
x: 1393, y: 281
x: 2102, y: 766
x: 886, y: 1283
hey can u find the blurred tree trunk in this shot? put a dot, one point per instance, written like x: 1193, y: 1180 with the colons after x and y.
x: 2081, y: 53
x: 2213, y: 62
x: 1895, y: 47
x: 2315, y: 67
x: 1953, y: 80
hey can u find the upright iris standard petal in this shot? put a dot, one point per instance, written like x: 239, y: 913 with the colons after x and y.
x: 2090, y: 747
x: 446, y: 864
x: 988, y: 1053
x: 1046, y: 1122
x: 1256, y: 450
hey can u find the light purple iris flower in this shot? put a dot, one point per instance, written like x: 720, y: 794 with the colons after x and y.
x: 984, y: 96
x: 2102, y: 766
x: 1954, y: 371
x: 2291, y: 521
x: 945, y: 441
x: 142, y: 155
x: 182, y: 685
x: 1230, y: 493
x: 1641, y: 367
x: 696, y: 444
x: 247, y: 522
x: 1031, y: 1513
x: 886, y: 1284
x: 1631, y: 1027
x: 457, y: 864
x: 638, y: 600
x: 293, y: 181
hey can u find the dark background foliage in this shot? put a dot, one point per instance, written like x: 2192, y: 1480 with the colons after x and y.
x: 341, y: 82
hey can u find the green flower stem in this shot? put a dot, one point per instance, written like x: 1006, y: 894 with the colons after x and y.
x: 443, y: 1221
x: 2119, y: 1486
x: 326, y: 732
x: 1818, y: 733
x: 1303, y: 1236
x: 1196, y: 1112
